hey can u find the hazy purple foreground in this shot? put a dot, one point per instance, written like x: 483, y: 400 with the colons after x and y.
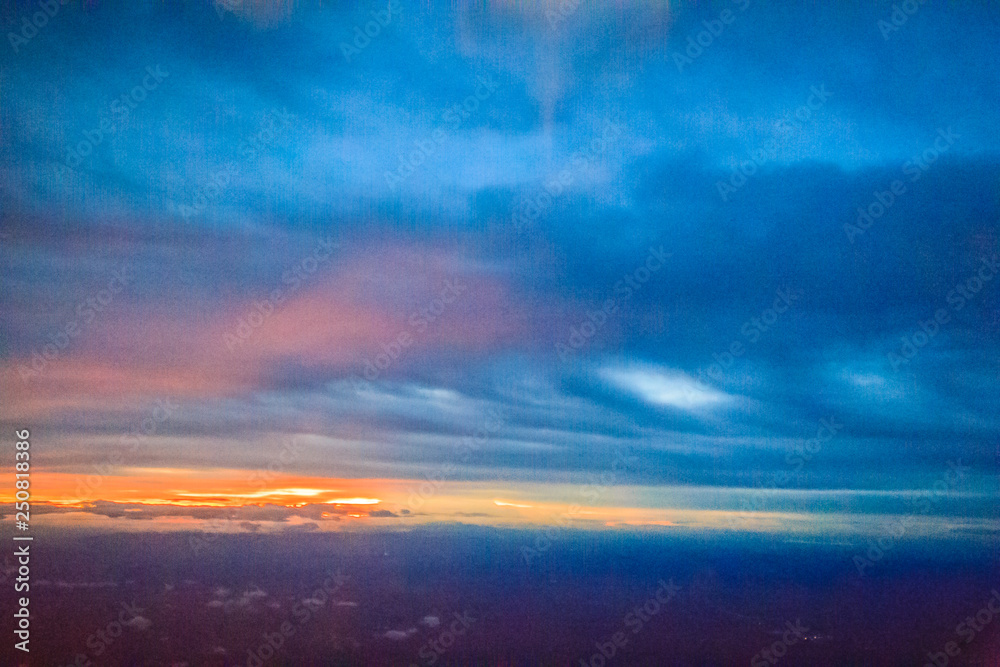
x: 400, y: 595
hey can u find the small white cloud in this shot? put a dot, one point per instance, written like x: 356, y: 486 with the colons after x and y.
x: 874, y: 385
x: 431, y: 621
x: 140, y: 623
x: 664, y: 387
x: 396, y: 635
x: 439, y: 396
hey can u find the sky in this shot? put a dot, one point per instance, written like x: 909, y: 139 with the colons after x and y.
x: 715, y: 266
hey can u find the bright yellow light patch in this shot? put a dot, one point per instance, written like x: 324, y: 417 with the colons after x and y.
x: 500, y: 503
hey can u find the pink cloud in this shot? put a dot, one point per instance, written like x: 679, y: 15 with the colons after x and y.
x: 334, y: 320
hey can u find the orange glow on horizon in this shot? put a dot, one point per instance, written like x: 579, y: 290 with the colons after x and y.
x: 172, y: 498
x: 200, y: 488
x: 261, y: 494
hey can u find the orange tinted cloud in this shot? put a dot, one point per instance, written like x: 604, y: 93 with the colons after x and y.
x: 205, y: 487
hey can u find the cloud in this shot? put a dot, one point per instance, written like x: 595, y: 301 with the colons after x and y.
x: 664, y: 387
x: 140, y: 623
